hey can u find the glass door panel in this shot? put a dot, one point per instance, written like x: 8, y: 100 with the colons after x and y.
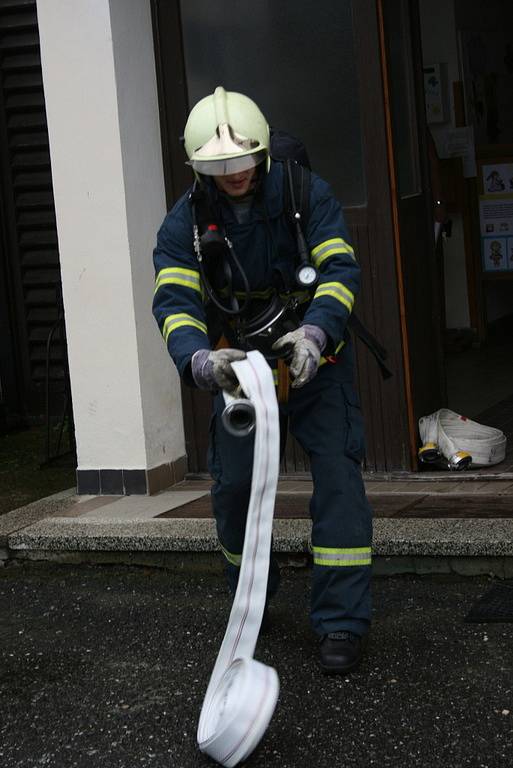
x: 296, y: 59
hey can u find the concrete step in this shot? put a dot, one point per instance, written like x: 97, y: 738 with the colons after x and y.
x: 102, y: 529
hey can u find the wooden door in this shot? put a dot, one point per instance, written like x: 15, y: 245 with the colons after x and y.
x: 338, y: 99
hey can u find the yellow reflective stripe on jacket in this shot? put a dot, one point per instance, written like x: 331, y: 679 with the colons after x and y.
x: 172, y: 322
x: 350, y: 556
x: 337, y: 291
x: 233, y: 559
x: 329, y: 248
x: 190, y: 278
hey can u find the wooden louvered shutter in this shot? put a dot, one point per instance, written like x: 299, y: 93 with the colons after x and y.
x: 28, y: 216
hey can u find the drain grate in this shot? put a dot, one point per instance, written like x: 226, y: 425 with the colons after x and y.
x: 494, y: 605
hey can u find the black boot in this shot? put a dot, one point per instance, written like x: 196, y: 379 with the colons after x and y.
x: 340, y: 652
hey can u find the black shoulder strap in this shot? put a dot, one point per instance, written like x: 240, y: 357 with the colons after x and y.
x: 202, y: 214
x: 372, y: 344
x: 297, y: 205
x: 296, y: 199
x: 296, y: 195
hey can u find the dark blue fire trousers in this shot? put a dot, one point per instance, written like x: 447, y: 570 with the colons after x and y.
x: 324, y: 416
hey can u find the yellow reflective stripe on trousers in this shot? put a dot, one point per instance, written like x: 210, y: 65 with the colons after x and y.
x: 350, y: 556
x: 172, y: 322
x: 337, y: 291
x: 233, y: 559
x: 329, y: 248
x: 189, y: 278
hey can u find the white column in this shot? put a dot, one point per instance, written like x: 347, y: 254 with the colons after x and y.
x: 103, y: 122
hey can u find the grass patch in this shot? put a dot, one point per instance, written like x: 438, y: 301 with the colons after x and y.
x: 22, y: 480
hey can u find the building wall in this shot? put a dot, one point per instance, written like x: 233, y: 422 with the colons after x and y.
x: 101, y: 97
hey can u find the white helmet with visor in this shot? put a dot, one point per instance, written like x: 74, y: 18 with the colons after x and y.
x: 226, y: 133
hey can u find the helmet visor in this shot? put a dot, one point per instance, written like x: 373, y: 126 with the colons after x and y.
x: 229, y: 165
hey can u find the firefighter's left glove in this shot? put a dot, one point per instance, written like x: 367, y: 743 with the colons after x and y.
x: 303, y: 348
x: 213, y: 370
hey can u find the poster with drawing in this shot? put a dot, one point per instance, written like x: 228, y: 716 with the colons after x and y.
x: 497, y: 254
x: 498, y: 179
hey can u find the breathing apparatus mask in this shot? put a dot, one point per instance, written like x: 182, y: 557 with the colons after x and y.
x: 254, y: 324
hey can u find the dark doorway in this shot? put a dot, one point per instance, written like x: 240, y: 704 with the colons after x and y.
x: 468, y: 69
x: 321, y: 79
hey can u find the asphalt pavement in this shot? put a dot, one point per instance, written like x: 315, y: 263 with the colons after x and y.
x: 108, y: 666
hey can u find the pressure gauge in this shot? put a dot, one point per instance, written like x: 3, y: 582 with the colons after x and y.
x: 306, y: 275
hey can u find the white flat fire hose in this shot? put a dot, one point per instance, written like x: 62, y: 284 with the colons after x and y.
x: 460, y: 440
x: 242, y: 693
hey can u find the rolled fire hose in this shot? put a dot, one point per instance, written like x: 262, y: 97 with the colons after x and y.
x: 461, y: 441
x: 242, y: 692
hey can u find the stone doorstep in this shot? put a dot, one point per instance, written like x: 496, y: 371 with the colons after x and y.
x: 462, y: 548
x: 56, y: 528
x: 392, y: 537
x: 21, y: 518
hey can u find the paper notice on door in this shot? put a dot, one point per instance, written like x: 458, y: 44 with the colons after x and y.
x: 496, y: 215
x: 459, y: 142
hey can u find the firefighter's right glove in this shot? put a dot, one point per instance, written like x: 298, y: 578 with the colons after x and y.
x: 213, y: 370
x: 303, y: 348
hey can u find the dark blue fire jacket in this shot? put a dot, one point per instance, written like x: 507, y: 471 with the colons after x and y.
x: 266, y: 248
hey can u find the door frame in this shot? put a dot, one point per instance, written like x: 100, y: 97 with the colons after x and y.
x: 416, y: 259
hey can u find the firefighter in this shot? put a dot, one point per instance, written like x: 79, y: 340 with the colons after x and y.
x: 227, y: 141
